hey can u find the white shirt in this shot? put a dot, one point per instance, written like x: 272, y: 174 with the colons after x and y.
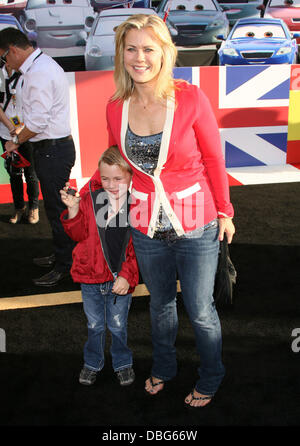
x: 14, y: 108
x: 45, y: 97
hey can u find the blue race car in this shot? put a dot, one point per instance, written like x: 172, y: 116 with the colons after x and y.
x: 194, y: 22
x: 260, y: 42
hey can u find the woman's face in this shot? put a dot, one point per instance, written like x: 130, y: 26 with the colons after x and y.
x: 142, y: 55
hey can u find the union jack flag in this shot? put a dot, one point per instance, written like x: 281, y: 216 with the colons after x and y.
x: 251, y: 107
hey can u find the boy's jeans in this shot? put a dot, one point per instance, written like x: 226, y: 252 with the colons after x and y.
x: 195, y: 260
x: 102, y: 312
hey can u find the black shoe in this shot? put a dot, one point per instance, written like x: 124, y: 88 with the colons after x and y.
x: 87, y: 376
x: 52, y: 278
x: 126, y: 376
x: 45, y: 262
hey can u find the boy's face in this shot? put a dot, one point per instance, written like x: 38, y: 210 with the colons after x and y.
x: 115, y: 181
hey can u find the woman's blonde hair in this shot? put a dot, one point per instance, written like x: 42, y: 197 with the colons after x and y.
x: 112, y: 156
x: 123, y: 82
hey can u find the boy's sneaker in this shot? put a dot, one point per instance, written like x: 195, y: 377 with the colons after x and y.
x: 126, y: 376
x: 87, y: 376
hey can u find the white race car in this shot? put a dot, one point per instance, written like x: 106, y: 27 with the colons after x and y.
x: 100, y: 46
x: 62, y: 26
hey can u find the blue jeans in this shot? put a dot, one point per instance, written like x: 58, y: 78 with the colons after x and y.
x: 195, y: 260
x: 101, y: 310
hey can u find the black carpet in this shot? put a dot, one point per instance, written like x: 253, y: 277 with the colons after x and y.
x: 39, y: 371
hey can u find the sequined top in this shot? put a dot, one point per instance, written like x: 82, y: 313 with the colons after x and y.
x: 144, y: 152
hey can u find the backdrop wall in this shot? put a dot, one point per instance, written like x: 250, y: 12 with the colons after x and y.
x: 257, y: 109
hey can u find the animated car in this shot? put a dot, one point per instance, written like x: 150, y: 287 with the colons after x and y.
x: 100, y: 5
x: 100, y: 45
x: 240, y: 9
x: 61, y: 25
x: 12, y: 6
x: 287, y: 10
x: 258, y: 41
x: 197, y: 22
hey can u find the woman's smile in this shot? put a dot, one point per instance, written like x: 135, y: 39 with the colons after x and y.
x: 142, y: 55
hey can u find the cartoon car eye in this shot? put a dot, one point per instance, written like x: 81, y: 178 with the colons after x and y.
x: 268, y: 34
x: 250, y: 34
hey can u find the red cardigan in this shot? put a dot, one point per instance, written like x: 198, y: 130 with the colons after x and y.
x: 89, y: 264
x: 190, y: 180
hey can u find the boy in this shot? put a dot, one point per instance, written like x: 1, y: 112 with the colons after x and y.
x: 104, y: 263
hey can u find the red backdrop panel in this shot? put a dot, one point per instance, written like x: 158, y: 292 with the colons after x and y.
x: 93, y: 90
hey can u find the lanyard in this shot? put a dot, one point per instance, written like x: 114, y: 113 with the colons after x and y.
x: 15, y: 77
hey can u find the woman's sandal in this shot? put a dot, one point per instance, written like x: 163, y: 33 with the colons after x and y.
x: 154, y: 384
x: 202, y: 398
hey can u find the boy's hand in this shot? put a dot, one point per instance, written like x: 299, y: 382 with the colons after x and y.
x: 121, y: 286
x: 71, y: 201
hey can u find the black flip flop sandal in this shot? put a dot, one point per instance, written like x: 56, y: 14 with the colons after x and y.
x: 203, y: 398
x: 154, y: 385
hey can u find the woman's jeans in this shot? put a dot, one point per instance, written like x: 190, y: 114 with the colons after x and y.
x: 102, y: 309
x: 195, y: 260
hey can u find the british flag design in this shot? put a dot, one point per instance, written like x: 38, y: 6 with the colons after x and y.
x: 257, y: 109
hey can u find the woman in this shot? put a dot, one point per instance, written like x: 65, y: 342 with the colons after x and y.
x: 11, y: 123
x: 180, y: 209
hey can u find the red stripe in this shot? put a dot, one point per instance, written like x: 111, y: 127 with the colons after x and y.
x: 293, y: 152
x: 233, y: 182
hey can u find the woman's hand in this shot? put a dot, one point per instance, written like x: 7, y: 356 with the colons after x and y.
x: 226, y: 226
x: 121, y: 286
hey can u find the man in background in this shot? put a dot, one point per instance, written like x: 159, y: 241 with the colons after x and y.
x: 46, y: 114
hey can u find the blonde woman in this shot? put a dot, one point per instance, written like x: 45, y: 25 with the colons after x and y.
x: 166, y: 131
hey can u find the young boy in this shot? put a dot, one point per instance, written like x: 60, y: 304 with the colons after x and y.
x: 104, y: 263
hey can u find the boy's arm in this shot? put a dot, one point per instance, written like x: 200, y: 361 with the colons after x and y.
x: 74, y: 218
x: 70, y: 200
x: 129, y: 270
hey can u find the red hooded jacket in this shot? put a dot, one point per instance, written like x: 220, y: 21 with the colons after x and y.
x: 90, y: 263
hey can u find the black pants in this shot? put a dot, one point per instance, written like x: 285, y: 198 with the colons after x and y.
x: 16, y: 179
x: 54, y: 160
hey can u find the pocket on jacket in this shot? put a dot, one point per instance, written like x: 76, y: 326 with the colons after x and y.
x: 139, y: 195
x: 188, y: 191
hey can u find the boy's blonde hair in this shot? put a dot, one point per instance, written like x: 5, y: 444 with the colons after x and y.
x: 124, y: 83
x: 112, y: 156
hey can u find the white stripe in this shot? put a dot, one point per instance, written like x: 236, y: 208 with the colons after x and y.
x: 196, y: 76
x: 248, y: 93
x: 265, y: 174
x: 247, y: 140
x: 76, y: 170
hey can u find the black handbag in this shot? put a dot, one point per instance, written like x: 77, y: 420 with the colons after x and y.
x: 225, y: 277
